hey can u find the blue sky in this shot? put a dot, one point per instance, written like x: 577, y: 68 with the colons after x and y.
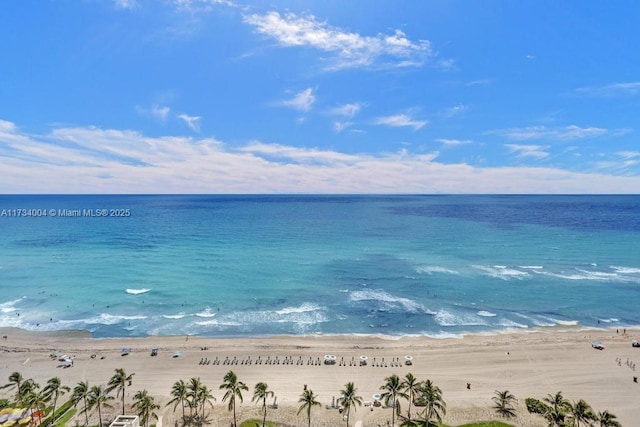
x: 413, y: 96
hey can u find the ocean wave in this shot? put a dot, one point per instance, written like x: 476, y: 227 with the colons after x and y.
x: 625, y: 270
x: 484, y: 313
x: 10, y: 306
x: 304, y: 308
x: 446, y: 318
x: 502, y: 272
x: 619, y: 275
x: 531, y: 267
x: 206, y: 313
x: 174, y: 316
x: 107, y: 319
x: 612, y: 320
x: 435, y: 269
x: 389, y: 301
x: 508, y: 323
x: 137, y: 291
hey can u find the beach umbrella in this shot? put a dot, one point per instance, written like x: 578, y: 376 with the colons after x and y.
x: 363, y: 357
x: 408, y: 357
x: 377, y: 396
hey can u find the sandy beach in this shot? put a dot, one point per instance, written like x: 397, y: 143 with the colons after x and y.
x: 531, y: 363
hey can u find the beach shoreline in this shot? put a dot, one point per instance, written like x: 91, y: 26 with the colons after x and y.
x: 528, y: 363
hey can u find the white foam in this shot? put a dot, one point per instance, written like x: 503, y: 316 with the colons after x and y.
x: 137, y: 291
x: 446, y: 318
x: 435, y: 269
x: 502, y: 272
x: 625, y: 270
x: 174, y: 316
x: 531, y: 267
x: 508, y: 323
x: 206, y: 313
x: 10, y: 306
x: 304, y: 308
x: 484, y: 313
x: 389, y: 301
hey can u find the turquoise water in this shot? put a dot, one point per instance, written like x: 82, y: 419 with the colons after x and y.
x: 270, y: 265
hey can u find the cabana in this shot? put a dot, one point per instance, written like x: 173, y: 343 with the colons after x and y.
x: 597, y: 345
x: 125, y: 351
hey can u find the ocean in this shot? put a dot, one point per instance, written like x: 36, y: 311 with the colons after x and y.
x: 246, y: 266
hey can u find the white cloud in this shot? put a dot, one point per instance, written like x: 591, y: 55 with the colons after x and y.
x: 611, y: 90
x: 347, y: 110
x: 156, y: 111
x: 126, y: 4
x: 566, y: 133
x: 340, y: 126
x: 535, y: 151
x: 400, y: 120
x: 198, y: 6
x: 350, y: 49
x: 92, y: 160
x: 454, y: 111
x: 301, y: 101
x: 453, y: 142
x: 192, y: 121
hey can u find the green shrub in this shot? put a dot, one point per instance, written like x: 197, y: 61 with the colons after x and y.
x: 535, y: 406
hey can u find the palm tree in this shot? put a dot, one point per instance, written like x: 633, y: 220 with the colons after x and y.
x: 607, y: 419
x: 262, y: 392
x: 146, y: 406
x: 180, y: 395
x: 100, y: 398
x: 411, y: 385
x: 393, y: 388
x: 26, y: 387
x: 504, y: 403
x: 558, y: 407
x: 53, y: 390
x: 581, y: 412
x: 15, y: 381
x: 192, y: 395
x: 308, y: 401
x: 435, y: 406
x: 204, y: 397
x: 119, y: 381
x: 36, y: 399
x: 233, y: 388
x: 349, y: 399
x: 81, y: 392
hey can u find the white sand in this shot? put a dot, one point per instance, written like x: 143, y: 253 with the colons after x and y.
x: 527, y: 363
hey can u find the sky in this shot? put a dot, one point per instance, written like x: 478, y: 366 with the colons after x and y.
x: 333, y: 96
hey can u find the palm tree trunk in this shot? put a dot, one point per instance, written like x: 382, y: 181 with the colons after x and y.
x: 86, y: 415
x: 53, y: 413
x: 234, y: 414
x: 99, y: 415
x: 264, y: 409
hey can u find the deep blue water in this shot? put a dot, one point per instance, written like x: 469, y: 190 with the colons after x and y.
x: 269, y: 265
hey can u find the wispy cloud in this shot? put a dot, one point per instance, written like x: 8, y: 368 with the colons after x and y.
x: 93, y: 160
x: 156, y: 111
x: 301, y: 101
x: 454, y: 111
x: 349, y: 49
x: 400, y: 120
x: 126, y: 4
x: 566, y: 133
x: 611, y: 90
x: 453, y: 142
x: 346, y: 110
x: 535, y: 151
x: 192, y: 121
x: 198, y: 6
